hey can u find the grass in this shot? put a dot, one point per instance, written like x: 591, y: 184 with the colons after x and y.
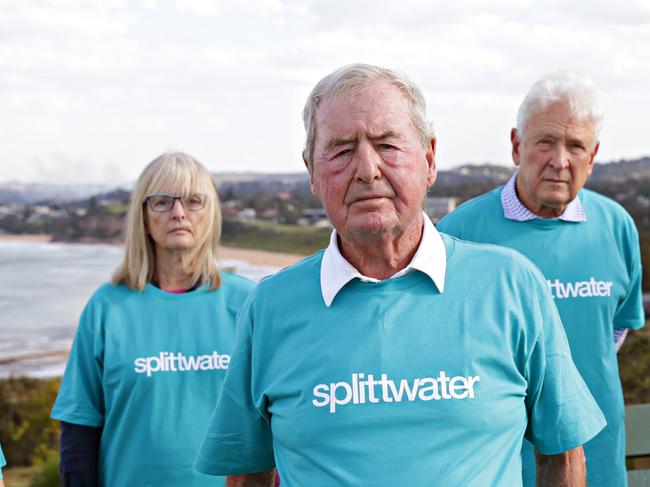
x: 634, y: 365
x: 294, y: 239
x: 18, y: 476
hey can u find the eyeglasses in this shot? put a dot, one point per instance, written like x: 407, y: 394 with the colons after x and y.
x: 162, y: 203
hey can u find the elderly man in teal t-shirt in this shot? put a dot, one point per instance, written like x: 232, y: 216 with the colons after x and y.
x: 585, y: 244
x: 398, y: 355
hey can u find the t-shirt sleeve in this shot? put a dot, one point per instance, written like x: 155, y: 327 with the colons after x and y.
x: 81, y: 397
x: 629, y: 312
x: 562, y: 413
x: 238, y: 439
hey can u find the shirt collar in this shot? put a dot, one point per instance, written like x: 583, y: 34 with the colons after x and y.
x: 430, y: 258
x: 513, y: 208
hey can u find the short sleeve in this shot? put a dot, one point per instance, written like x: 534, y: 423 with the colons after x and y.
x: 629, y: 312
x: 562, y: 413
x: 81, y: 398
x: 238, y: 439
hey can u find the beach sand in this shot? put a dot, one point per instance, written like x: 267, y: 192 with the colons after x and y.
x: 259, y: 257
x: 252, y: 256
x: 25, y: 238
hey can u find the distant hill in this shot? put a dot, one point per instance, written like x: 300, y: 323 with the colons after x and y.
x: 621, y: 171
x: 34, y: 193
x: 467, y: 179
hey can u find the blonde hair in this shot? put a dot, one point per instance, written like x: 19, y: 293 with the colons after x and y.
x: 171, y: 171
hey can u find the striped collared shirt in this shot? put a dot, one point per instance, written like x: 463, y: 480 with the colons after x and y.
x: 513, y: 208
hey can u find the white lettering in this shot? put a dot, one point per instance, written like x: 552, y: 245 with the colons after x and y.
x: 177, y: 362
x: 580, y: 289
x: 359, y: 391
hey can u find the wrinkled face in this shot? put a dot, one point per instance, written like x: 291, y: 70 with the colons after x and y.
x: 370, y: 170
x: 177, y: 229
x: 555, y: 157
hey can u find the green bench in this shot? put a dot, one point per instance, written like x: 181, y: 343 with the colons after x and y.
x: 637, y: 434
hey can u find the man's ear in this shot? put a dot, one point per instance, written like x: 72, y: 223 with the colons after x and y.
x: 516, y: 143
x: 593, y: 158
x: 312, y: 183
x: 431, y: 163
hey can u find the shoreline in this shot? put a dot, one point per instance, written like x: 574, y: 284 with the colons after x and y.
x: 51, y: 363
x: 252, y: 256
x: 27, y: 237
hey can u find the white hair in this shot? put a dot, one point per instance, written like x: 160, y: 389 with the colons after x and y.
x: 564, y: 85
x: 354, y: 77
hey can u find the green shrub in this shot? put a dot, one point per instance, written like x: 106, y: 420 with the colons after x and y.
x: 634, y: 365
x: 28, y: 434
x: 46, y: 472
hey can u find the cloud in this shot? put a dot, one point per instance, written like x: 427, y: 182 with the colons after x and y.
x: 117, y: 81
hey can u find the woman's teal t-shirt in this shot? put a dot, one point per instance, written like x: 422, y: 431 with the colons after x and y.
x: 147, y: 367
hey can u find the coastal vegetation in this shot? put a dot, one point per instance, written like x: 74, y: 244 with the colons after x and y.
x: 293, y: 239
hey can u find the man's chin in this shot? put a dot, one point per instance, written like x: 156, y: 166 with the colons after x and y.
x: 371, y: 224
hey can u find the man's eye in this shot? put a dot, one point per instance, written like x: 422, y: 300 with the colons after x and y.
x: 343, y: 152
x: 386, y: 147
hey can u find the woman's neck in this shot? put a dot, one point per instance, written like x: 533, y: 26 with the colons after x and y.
x: 172, y: 272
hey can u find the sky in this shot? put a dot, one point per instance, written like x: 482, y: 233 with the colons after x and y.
x: 91, y: 91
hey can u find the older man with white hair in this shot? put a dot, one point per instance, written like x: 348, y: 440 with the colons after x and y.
x: 398, y: 355
x: 585, y: 244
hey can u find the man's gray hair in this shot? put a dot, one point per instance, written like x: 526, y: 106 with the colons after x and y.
x: 354, y: 77
x: 564, y: 85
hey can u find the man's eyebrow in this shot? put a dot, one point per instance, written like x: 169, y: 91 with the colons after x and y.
x: 337, y: 142
x: 389, y: 134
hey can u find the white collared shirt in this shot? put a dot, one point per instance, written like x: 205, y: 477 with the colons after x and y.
x: 514, y: 209
x: 430, y: 258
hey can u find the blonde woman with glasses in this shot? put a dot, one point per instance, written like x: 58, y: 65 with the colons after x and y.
x: 153, y: 346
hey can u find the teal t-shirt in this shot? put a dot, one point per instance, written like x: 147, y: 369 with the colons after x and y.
x: 147, y: 367
x: 593, y: 270
x: 3, y: 462
x: 397, y: 383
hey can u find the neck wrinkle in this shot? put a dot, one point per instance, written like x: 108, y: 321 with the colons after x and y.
x: 382, y: 256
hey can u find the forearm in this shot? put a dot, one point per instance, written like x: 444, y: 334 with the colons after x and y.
x: 79, y: 455
x: 567, y: 469
x: 262, y: 479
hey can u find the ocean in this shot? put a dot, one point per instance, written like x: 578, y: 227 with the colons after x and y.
x: 44, y: 287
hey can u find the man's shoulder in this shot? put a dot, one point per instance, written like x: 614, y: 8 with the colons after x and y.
x: 591, y: 198
x: 485, y: 204
x: 600, y: 208
x: 486, y: 255
x: 290, y: 278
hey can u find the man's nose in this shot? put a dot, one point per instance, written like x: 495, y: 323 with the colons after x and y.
x: 560, y: 158
x: 368, y: 163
